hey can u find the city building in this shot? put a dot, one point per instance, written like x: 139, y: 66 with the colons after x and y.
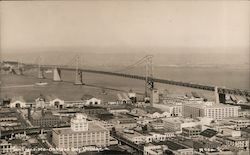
x: 208, y: 134
x: 125, y: 123
x: 210, y: 110
x: 240, y: 122
x: 5, y: 147
x: 237, y: 142
x: 90, y: 100
x: 191, y: 132
x: 40, y: 102
x: 55, y: 102
x: 154, y: 149
x: 123, y: 98
x: 12, y: 149
x: 176, y: 124
x: 138, y: 112
x: 44, y: 119
x: 94, y: 110
x: 117, y: 110
x: 155, y: 96
x: 132, y: 96
x: 173, y: 108
x: 17, y: 102
x: 139, y: 138
x: 81, y: 133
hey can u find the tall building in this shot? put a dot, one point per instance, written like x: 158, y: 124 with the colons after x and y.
x: 81, y: 133
x: 211, y: 110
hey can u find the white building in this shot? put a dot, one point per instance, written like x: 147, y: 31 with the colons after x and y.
x: 172, y: 108
x: 90, y: 100
x: 240, y: 122
x: 81, y: 133
x: 17, y: 102
x: 9, y: 148
x: 210, y: 110
x: 40, y: 102
x: 176, y: 124
x: 55, y: 102
x: 79, y: 123
x: 139, y: 138
x: 154, y: 149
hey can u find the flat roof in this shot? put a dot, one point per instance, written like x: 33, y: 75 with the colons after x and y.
x: 192, y: 128
x: 236, y: 138
x: 204, y: 105
x: 93, y: 127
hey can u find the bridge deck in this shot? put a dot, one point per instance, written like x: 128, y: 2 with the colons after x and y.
x: 164, y: 81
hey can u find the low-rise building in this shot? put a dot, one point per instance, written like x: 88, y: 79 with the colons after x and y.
x: 139, y: 138
x: 173, y: 108
x: 237, y: 142
x: 45, y: 119
x: 191, y: 132
x: 5, y: 147
x: 94, y: 110
x: 55, y: 102
x: 125, y: 123
x: 17, y: 102
x: 240, y: 122
x: 154, y: 150
x: 13, y: 149
x: 90, y: 100
x: 176, y: 124
x: 40, y: 102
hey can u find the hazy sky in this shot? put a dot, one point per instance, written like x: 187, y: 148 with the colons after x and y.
x: 58, y: 24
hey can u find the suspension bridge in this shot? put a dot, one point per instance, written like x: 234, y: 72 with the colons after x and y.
x: 148, y: 77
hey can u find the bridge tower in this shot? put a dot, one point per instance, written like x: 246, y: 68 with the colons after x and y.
x: 57, y: 74
x: 219, y: 97
x: 78, y: 73
x: 40, y: 71
x: 149, y: 83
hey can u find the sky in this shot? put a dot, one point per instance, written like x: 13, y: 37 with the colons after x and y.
x: 117, y: 25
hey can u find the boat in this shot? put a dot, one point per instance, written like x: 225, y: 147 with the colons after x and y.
x: 48, y: 71
x: 41, y: 83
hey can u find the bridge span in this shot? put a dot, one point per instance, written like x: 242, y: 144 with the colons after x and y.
x: 150, y: 80
x: 221, y: 90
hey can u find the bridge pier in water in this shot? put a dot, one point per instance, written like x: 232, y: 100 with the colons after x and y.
x: 41, y: 74
x: 57, y: 75
x: 78, y: 79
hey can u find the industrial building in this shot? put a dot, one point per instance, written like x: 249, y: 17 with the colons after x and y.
x: 81, y: 133
x: 210, y: 110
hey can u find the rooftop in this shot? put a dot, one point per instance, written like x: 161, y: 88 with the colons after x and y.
x: 17, y: 98
x: 236, y: 138
x: 208, y: 133
x: 87, y: 97
x: 172, y: 145
x: 93, y: 127
x: 192, y: 128
x: 208, y: 105
x: 93, y: 107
